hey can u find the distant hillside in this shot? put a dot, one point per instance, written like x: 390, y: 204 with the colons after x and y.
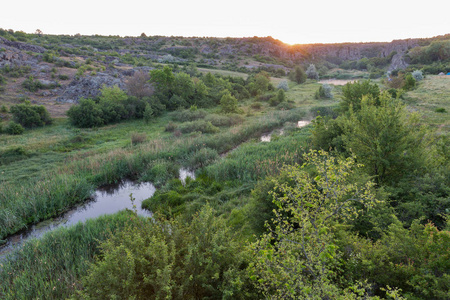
x: 75, y: 66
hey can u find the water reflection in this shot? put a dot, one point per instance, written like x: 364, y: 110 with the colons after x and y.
x: 108, y: 199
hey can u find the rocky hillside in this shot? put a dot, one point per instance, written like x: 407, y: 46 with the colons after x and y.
x: 66, y: 68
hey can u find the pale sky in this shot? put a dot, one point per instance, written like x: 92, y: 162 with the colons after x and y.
x: 293, y: 22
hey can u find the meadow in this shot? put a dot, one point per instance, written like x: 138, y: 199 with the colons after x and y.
x: 48, y: 170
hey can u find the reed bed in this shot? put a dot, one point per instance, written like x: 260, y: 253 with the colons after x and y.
x: 50, y: 267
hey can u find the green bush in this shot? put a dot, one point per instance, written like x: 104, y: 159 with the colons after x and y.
x: 30, y: 116
x: 63, y: 77
x: 200, y: 126
x: 202, y: 158
x: 32, y: 85
x: 440, y: 110
x: 228, y: 103
x: 14, y: 129
x: 86, y: 114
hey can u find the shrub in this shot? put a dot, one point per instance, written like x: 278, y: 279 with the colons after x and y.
x: 311, y: 72
x: 86, y: 114
x: 2, y: 79
x: 171, y: 126
x: 285, y: 106
x: 32, y: 85
x: 4, y: 109
x: 324, y: 92
x: 138, y: 138
x: 228, y: 103
x: 203, y: 157
x: 148, y: 113
x: 417, y: 74
x: 30, y: 116
x: 256, y: 105
x: 283, y: 85
x: 440, y: 110
x: 410, y: 83
x: 14, y: 129
x: 63, y: 77
x: 200, y: 126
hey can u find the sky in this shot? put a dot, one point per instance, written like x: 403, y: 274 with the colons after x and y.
x: 293, y: 22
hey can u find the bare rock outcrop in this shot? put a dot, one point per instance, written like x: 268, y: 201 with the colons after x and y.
x: 88, y: 87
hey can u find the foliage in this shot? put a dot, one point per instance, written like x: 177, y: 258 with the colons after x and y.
x: 283, y: 85
x: 198, y: 126
x: 57, y: 260
x: 353, y: 93
x: 148, y: 113
x: 32, y: 85
x: 296, y: 259
x: 417, y: 75
x: 30, y: 116
x: 410, y: 83
x: 138, y: 85
x: 14, y: 128
x: 312, y: 73
x: 385, y: 138
x: 86, y: 114
x: 298, y: 75
x: 229, y: 104
x: 416, y: 260
x: 324, y: 92
x: 167, y: 259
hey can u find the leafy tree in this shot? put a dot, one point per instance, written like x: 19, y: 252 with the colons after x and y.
x: 298, y: 75
x: 114, y: 94
x: 295, y: 260
x: 228, y: 103
x: 184, y: 87
x: 353, y: 93
x: 385, y: 138
x: 163, y: 81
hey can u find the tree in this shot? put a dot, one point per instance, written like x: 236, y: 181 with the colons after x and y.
x: 385, y: 138
x: 353, y: 93
x: 163, y: 81
x: 148, y: 113
x: 228, y: 103
x: 311, y: 72
x: 138, y: 85
x: 295, y: 259
x: 299, y: 75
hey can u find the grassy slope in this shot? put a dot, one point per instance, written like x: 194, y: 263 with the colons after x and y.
x: 432, y: 93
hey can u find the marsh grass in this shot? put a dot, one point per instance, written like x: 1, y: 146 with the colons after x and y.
x: 51, y: 193
x: 50, y: 267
